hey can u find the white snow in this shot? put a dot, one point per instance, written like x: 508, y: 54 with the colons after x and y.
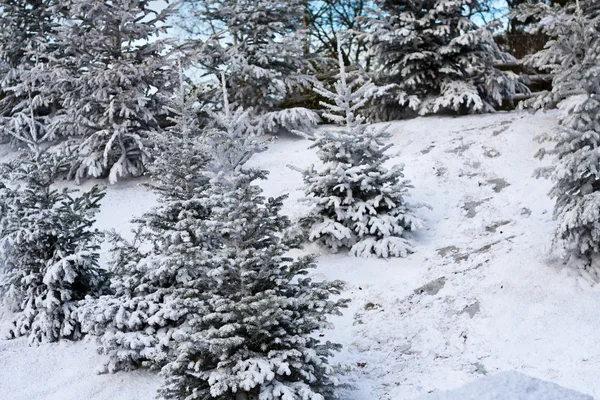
x: 66, y: 371
x: 509, y: 385
x: 498, y: 302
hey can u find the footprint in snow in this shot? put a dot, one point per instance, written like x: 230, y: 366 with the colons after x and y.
x: 490, y: 152
x: 498, y: 184
x: 471, y: 207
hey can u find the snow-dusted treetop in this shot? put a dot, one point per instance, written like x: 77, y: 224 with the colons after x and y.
x: 260, y: 46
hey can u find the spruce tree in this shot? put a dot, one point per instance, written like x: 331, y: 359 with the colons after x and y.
x: 215, y: 266
x: 27, y: 46
x: 253, y: 333
x: 156, y: 276
x: 48, y: 250
x: 116, y: 84
x: 577, y: 141
x: 359, y: 204
x: 571, y: 31
x: 258, y: 44
x: 436, y: 59
x: 159, y: 275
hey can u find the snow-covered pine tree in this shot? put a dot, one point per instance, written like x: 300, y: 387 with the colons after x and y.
x: 116, y: 84
x: 359, y: 204
x: 436, y: 58
x: 577, y: 142
x: 259, y: 45
x: 26, y: 47
x: 156, y: 276
x: 48, y: 250
x: 253, y: 334
x: 569, y: 29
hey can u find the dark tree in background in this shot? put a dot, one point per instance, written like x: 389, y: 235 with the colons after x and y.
x: 27, y: 28
x: 115, y: 84
x: 261, y: 48
x: 435, y: 58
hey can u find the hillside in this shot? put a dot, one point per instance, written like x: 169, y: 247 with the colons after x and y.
x: 480, y: 294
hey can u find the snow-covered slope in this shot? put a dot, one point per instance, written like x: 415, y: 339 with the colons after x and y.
x: 480, y: 295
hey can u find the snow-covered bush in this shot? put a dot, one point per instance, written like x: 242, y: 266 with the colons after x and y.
x: 260, y: 45
x: 436, y: 58
x: 48, y: 250
x: 577, y: 142
x: 115, y: 85
x: 359, y: 203
x: 253, y: 333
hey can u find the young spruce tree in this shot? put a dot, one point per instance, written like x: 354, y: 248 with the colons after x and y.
x: 230, y: 136
x: 359, y: 204
x: 435, y: 58
x: 48, y: 250
x: 158, y: 276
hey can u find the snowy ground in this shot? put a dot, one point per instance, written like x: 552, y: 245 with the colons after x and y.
x: 479, y: 296
x: 509, y: 385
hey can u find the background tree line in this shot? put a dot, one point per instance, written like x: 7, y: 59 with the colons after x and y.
x: 99, y: 76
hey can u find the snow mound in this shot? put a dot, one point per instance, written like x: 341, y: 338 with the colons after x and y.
x: 509, y: 385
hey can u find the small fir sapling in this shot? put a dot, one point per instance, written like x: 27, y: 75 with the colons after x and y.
x: 231, y: 135
x: 359, y: 203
